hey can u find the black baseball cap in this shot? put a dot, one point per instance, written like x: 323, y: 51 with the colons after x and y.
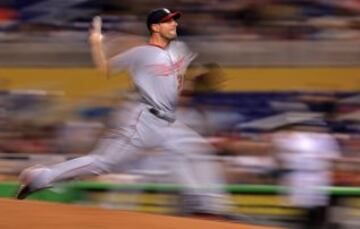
x: 161, y: 15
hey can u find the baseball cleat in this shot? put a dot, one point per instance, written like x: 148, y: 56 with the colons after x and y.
x: 23, y: 191
x: 30, y: 179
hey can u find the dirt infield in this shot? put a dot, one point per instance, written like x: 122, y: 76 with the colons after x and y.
x: 33, y: 214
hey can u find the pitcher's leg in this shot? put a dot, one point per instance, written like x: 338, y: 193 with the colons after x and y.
x: 196, y: 168
x: 109, y: 153
x: 199, y: 194
x: 40, y: 177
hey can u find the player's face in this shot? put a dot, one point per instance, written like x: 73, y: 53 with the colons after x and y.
x: 168, y: 29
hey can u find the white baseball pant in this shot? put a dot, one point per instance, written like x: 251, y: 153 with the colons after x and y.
x: 126, y: 144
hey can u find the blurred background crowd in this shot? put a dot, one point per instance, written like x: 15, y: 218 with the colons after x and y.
x: 44, y: 119
x: 231, y: 19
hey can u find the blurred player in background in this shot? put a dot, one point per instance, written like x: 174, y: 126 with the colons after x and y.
x: 157, y: 70
x: 306, y: 152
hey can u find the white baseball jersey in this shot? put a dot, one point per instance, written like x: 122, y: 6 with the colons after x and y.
x: 307, y: 155
x: 157, y: 72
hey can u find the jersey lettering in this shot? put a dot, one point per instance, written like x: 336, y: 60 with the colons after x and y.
x: 166, y: 70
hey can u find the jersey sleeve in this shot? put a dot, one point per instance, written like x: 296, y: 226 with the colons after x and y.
x: 122, y: 61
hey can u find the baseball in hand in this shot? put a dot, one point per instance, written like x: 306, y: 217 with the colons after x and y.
x: 95, y: 31
x: 97, y: 24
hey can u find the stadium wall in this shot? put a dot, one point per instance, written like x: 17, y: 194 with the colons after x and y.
x: 87, y: 81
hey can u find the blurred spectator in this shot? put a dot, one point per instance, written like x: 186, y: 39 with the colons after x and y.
x: 265, y: 19
x: 8, y: 17
x: 305, y: 153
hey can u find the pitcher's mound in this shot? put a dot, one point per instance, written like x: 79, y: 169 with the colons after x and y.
x: 33, y: 214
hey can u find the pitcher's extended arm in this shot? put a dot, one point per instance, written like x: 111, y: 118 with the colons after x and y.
x: 97, y: 49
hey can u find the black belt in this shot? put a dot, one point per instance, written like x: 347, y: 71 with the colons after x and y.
x: 154, y: 111
x: 159, y: 114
